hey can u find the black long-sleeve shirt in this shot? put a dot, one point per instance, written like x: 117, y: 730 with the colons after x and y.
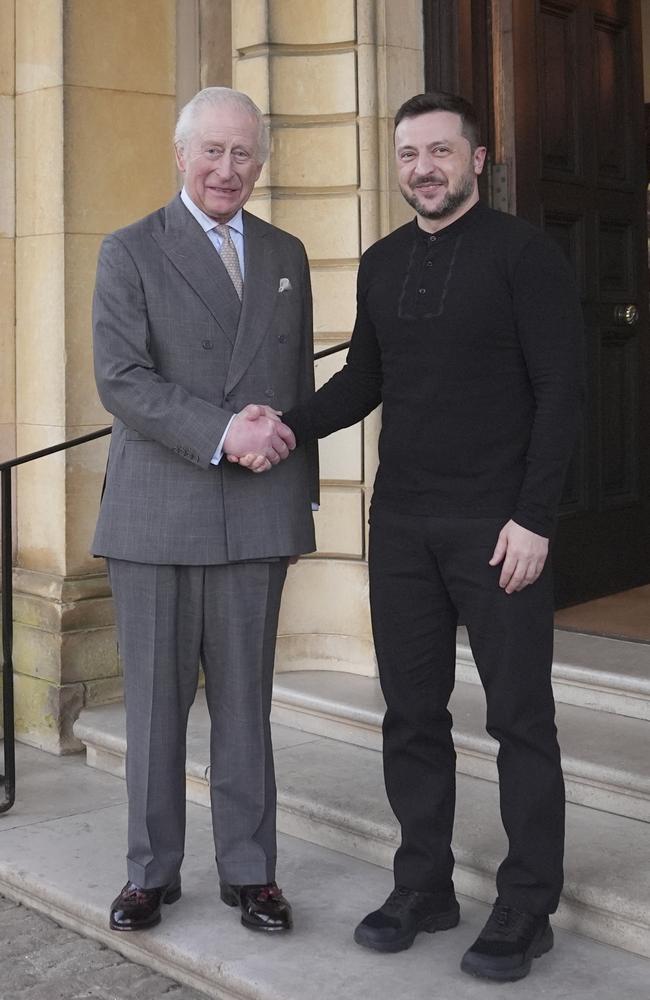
x: 472, y: 340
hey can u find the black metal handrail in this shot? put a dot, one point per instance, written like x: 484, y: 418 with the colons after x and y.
x: 8, y: 779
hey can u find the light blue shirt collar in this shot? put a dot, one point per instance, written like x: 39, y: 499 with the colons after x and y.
x: 205, y: 222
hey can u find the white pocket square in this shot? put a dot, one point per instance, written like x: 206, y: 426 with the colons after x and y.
x: 285, y: 285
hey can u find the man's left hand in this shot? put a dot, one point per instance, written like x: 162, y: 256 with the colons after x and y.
x: 523, y: 554
x: 256, y: 463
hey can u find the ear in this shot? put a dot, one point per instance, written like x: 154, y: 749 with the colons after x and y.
x: 478, y: 159
x: 179, y: 152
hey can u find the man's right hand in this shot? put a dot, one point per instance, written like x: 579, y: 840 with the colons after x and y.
x: 258, y: 430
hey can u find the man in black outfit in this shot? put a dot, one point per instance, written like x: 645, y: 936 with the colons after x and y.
x: 469, y: 332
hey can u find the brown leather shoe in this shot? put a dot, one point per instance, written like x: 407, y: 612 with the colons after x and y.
x: 135, y: 909
x: 263, y: 907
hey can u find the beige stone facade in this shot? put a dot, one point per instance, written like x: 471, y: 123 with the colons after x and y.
x: 88, y: 97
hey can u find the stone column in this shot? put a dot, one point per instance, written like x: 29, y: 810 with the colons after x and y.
x: 95, y: 107
x: 329, y: 76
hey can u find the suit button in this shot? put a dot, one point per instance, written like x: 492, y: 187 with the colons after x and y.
x: 269, y: 393
x: 207, y: 345
x: 282, y: 338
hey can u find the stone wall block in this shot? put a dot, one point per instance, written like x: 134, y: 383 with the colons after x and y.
x: 118, y: 157
x: 82, y: 404
x: 260, y: 205
x: 341, y: 460
x: 7, y: 167
x: 121, y: 45
x: 45, y: 714
x: 7, y: 334
x: 320, y: 84
x: 103, y: 691
x: 326, y: 597
x: 301, y: 22
x: 65, y: 657
x: 328, y: 226
x: 7, y: 441
x: 37, y: 653
x: 404, y: 26
x: 65, y: 590
x: 39, y: 162
x: 371, y: 429
x: 339, y: 522
x: 370, y: 67
x: 51, y: 615
x: 369, y: 154
x: 400, y: 210
x: 40, y: 324
x: 404, y: 72
x: 334, y: 291
x: 40, y: 513
x: 215, y: 43
x: 39, y: 44
x: 341, y: 456
x: 251, y: 75
x: 249, y: 23
x: 370, y: 22
x: 315, y: 156
x: 89, y: 654
x: 7, y: 48
x: 85, y: 468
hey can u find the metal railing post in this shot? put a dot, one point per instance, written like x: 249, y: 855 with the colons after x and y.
x: 8, y: 779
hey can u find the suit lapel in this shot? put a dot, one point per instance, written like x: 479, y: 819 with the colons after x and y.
x: 261, y: 280
x: 193, y: 255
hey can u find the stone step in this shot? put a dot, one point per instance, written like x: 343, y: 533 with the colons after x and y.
x: 605, y: 756
x: 590, y: 671
x: 331, y: 794
x: 62, y: 853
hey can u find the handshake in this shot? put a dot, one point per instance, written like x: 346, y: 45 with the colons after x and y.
x: 257, y: 438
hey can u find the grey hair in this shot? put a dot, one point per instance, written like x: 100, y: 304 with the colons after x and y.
x: 215, y: 97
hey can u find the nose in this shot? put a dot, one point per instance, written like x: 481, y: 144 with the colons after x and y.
x: 425, y: 163
x: 223, y: 165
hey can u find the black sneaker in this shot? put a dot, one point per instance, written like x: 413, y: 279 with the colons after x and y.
x: 507, y: 945
x: 406, y: 911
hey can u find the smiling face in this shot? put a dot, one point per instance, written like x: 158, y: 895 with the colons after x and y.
x: 436, y: 168
x: 220, y: 161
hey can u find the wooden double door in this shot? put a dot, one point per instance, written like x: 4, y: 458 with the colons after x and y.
x: 579, y: 143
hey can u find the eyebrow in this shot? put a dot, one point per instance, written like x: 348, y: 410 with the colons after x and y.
x: 433, y: 142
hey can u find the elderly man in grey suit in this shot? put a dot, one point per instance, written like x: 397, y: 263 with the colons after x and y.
x: 199, y: 308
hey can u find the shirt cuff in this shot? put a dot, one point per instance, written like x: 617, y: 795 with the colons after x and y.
x: 218, y: 455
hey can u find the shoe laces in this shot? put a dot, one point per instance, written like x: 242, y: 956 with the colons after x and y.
x: 506, y: 921
x: 267, y: 892
x: 133, y: 891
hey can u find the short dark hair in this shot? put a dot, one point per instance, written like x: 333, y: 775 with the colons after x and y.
x: 421, y: 104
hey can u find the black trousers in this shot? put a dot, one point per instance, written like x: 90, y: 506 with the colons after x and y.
x: 425, y: 574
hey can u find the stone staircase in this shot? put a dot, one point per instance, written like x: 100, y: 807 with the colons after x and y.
x: 330, y: 789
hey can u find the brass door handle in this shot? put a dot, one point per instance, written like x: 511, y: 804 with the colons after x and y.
x: 626, y: 315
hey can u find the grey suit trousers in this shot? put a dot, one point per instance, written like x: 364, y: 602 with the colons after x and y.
x: 169, y: 618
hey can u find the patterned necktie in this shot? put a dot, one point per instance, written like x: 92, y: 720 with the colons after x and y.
x: 230, y: 258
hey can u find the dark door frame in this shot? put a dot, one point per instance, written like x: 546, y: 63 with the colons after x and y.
x: 458, y: 57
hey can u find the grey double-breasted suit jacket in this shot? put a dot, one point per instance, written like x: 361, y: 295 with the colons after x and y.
x: 174, y: 359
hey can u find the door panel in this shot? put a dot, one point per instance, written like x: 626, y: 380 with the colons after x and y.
x: 580, y: 164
